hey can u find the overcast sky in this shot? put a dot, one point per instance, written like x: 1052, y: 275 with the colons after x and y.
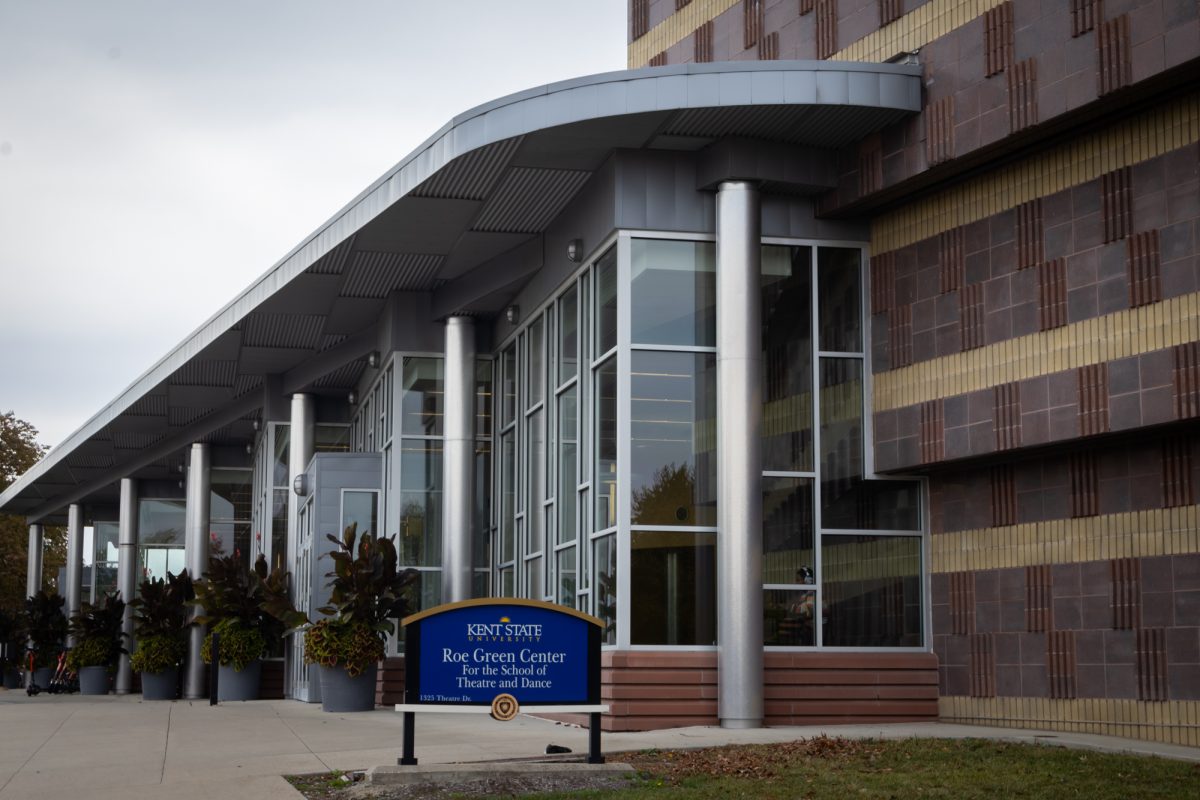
x: 156, y: 157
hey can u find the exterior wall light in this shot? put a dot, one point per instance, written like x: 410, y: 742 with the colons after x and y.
x: 373, y: 359
x: 352, y: 398
x: 575, y: 250
x: 300, y: 485
x: 249, y: 449
x: 513, y: 314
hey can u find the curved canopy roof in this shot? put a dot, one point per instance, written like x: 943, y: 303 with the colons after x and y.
x: 488, y: 181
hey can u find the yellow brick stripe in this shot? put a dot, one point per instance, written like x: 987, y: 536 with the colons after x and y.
x: 1172, y: 722
x: 911, y: 32
x: 1121, y: 334
x: 1135, y: 534
x: 916, y: 29
x: 675, y: 28
x: 1131, y: 141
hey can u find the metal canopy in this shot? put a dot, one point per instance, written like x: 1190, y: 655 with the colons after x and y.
x: 489, y: 181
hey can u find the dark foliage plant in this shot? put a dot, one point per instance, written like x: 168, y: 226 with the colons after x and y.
x: 231, y: 597
x: 160, y: 622
x: 46, y: 626
x: 12, y: 636
x: 97, y: 632
x: 367, y: 593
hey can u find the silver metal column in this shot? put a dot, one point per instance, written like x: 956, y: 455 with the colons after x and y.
x: 458, y: 454
x: 74, y: 562
x: 739, y: 471
x: 33, y: 561
x: 301, y: 445
x: 196, y: 529
x: 127, y: 558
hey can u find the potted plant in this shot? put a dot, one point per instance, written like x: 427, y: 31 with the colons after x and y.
x: 231, y: 596
x: 97, y: 632
x: 368, y: 592
x: 47, y: 628
x: 160, y: 624
x: 12, y: 644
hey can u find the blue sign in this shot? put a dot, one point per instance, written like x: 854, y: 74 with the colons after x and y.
x: 470, y: 652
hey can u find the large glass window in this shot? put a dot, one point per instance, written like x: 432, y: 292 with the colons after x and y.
x: 839, y: 282
x: 604, y: 560
x: 105, y: 540
x: 568, y: 336
x: 161, y: 537
x: 672, y: 428
x: 673, y: 586
x: 673, y: 293
x: 787, y: 358
x: 872, y: 587
x: 605, y: 473
x: 566, y: 466
x: 788, y: 531
x: 229, y: 513
x: 423, y: 403
x: 841, y: 435
x: 606, y: 302
x: 421, y: 503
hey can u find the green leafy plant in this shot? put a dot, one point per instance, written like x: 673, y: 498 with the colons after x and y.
x: 97, y: 632
x: 231, y: 596
x: 46, y: 626
x: 368, y: 593
x: 160, y: 622
x: 240, y: 646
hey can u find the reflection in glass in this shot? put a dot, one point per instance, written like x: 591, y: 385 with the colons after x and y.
x: 508, y: 365
x: 874, y: 505
x: 606, y: 302
x: 508, y: 496
x: 481, y: 525
x: 361, y: 508
x: 536, y: 371
x: 507, y: 584
x: 787, y: 358
x: 789, y: 618
x: 421, y: 503
x: 673, y: 427
x: 537, y: 479
x: 839, y: 283
x: 788, y: 531
x: 231, y: 497
x: 281, y: 467
x: 533, y: 575
x: 566, y: 577
x: 673, y: 582
x: 422, y: 403
x: 483, y: 398
x: 161, y: 522
x: 673, y: 292
x: 568, y: 336
x: 872, y: 591
x: 604, y: 561
x: 841, y: 432
x: 105, y: 536
x: 606, y: 445
x: 279, y: 528
x: 332, y: 438
x: 565, y: 493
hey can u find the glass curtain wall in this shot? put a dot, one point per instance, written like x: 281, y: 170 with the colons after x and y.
x: 841, y: 553
x: 230, y: 501
x: 105, y: 540
x: 161, y: 537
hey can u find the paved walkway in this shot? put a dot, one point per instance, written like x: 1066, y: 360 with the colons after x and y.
x: 121, y: 748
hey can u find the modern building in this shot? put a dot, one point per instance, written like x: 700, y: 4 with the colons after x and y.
x: 848, y: 377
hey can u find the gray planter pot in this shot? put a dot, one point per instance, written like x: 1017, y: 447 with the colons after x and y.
x: 93, y: 680
x: 160, y: 685
x: 340, y: 692
x: 234, y: 685
x: 42, y: 677
x: 12, y: 679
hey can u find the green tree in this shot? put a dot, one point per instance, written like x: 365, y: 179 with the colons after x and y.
x: 20, y: 450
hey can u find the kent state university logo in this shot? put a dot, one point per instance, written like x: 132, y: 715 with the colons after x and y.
x: 503, y: 631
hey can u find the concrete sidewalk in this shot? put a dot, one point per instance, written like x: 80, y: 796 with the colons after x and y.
x: 124, y: 749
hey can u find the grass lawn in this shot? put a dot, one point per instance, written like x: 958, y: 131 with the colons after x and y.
x: 842, y: 768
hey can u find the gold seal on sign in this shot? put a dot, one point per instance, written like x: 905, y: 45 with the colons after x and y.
x: 505, y: 707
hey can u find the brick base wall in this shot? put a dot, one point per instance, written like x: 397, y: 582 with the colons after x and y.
x: 389, y: 682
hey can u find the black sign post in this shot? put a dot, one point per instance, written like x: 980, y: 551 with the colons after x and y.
x: 502, y: 655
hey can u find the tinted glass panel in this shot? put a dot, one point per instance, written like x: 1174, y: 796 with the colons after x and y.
x: 361, y: 509
x: 565, y: 496
x: 606, y: 302
x: 673, y: 426
x: 568, y: 336
x: 673, y: 293
x: 872, y: 591
x: 508, y: 365
x: 788, y: 531
x: 280, y: 462
x: 483, y: 398
x: 422, y: 404
x: 421, y: 503
x: 673, y: 584
x: 787, y: 358
x: 537, y: 480
x: 604, y: 562
x: 536, y: 363
x: 508, y: 497
x: 566, y: 577
x: 841, y: 433
x: 839, y: 281
x: 873, y: 505
x: 789, y: 618
x: 606, y: 445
